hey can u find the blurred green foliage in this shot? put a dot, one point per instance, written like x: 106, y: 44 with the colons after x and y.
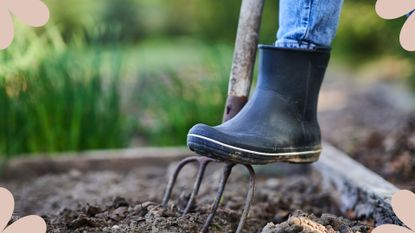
x: 174, y: 97
x: 363, y: 37
x: 135, y: 20
x: 104, y: 73
x: 58, y: 97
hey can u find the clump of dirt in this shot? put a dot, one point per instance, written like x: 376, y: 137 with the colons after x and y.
x: 108, y: 201
x: 303, y: 223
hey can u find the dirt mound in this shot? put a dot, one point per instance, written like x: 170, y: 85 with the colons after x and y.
x: 303, y: 223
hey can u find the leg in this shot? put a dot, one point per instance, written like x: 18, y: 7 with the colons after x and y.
x: 307, y: 23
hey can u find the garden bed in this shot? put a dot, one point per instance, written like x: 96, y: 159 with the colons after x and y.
x: 121, y: 193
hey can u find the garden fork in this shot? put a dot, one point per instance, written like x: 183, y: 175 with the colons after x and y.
x: 239, y: 86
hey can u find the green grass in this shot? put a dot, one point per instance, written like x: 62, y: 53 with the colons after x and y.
x: 64, y: 104
x: 63, y: 98
x: 74, y: 96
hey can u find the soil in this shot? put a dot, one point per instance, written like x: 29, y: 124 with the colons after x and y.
x: 370, y: 122
x: 374, y: 123
x: 105, y: 201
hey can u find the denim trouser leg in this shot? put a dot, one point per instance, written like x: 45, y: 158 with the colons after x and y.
x: 307, y: 23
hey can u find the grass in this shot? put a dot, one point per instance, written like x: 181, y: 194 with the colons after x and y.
x: 64, y: 104
x: 62, y: 99
x: 74, y: 96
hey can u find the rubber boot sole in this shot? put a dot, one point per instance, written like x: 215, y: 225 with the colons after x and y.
x: 217, y: 150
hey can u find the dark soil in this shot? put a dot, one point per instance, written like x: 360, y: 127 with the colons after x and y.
x: 375, y: 124
x: 114, y: 202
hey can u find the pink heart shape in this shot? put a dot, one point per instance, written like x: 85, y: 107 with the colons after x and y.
x: 32, y: 223
x: 407, y: 36
x: 403, y: 204
x: 389, y: 228
x: 6, y: 28
x: 7, y: 207
x: 392, y: 9
x: 32, y: 12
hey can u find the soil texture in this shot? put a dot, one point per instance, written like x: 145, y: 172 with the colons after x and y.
x: 106, y: 201
x: 374, y: 123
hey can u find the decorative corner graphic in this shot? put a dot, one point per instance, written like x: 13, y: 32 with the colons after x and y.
x: 403, y: 204
x: 392, y: 9
x: 32, y: 12
x: 32, y: 223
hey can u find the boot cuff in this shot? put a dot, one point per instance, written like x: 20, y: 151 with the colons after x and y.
x: 317, y: 49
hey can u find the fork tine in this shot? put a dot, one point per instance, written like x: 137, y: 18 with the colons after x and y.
x: 203, y: 162
x: 225, y: 175
x: 249, y: 198
x: 173, y: 178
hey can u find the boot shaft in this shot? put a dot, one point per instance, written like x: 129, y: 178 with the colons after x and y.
x: 295, y: 74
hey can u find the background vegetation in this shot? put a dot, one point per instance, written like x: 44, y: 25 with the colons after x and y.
x: 106, y: 75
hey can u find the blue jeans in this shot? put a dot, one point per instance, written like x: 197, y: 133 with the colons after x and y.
x: 307, y: 23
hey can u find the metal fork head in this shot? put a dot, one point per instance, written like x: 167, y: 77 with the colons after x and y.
x: 227, y: 170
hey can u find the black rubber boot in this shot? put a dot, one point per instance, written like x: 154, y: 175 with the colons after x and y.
x: 279, y: 123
